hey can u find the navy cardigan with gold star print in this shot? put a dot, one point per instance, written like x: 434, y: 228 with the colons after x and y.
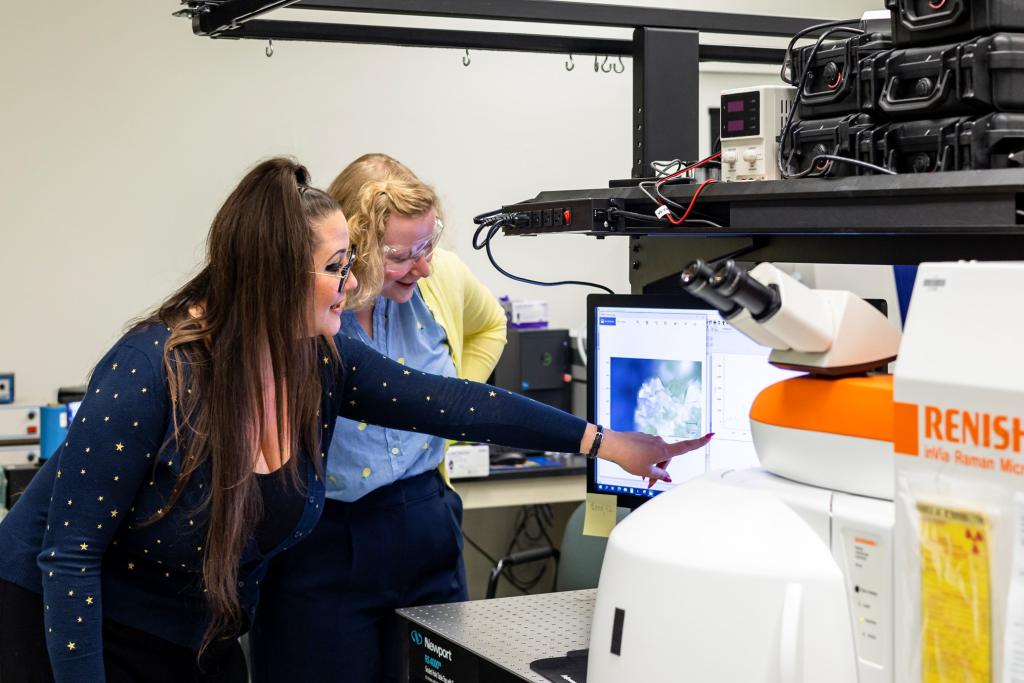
x: 78, y: 536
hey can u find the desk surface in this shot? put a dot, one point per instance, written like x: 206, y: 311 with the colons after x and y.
x: 561, y: 466
x: 494, y: 492
x: 525, y: 485
x: 512, y: 632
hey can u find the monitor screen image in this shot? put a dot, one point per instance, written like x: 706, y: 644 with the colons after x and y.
x: 673, y: 368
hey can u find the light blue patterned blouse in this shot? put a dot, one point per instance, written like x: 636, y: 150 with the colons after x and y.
x: 365, y: 457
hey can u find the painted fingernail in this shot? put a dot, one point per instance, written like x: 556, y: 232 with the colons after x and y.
x: 668, y: 479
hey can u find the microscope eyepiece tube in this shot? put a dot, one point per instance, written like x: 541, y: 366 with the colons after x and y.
x: 738, y: 286
x: 696, y: 280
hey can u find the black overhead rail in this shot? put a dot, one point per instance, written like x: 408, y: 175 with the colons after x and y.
x: 219, y: 16
x: 665, y: 47
x: 903, y: 219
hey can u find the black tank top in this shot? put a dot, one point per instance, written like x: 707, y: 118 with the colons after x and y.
x: 283, y: 506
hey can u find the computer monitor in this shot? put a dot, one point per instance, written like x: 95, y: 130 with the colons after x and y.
x: 671, y: 366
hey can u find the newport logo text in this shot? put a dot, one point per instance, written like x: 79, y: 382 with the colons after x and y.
x: 438, y: 650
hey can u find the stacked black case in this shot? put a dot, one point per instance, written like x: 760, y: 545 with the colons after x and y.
x: 844, y: 78
x: 932, y: 96
x: 930, y: 22
x: 976, y: 76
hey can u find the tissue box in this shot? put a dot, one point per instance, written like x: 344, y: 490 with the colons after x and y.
x: 468, y: 460
x: 525, y: 312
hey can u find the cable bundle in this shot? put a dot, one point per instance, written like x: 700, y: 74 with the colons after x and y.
x: 888, y: 99
x: 490, y: 224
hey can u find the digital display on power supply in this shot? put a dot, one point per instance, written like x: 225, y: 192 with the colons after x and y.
x: 741, y: 114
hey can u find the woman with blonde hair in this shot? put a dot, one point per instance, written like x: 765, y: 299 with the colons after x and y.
x: 390, y: 535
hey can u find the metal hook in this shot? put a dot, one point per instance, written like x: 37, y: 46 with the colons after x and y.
x: 269, y: 51
x: 597, y: 67
x: 465, y: 59
x: 570, y: 65
x: 620, y: 68
x: 605, y: 66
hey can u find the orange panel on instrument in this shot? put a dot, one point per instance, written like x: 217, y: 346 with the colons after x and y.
x: 852, y: 406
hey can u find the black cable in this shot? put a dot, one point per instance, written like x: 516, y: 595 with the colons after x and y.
x: 852, y: 162
x: 754, y: 246
x: 518, y: 524
x: 783, y: 167
x: 666, y: 200
x: 780, y: 148
x: 481, y: 218
x: 636, y: 216
x: 523, y: 518
x: 662, y: 170
x: 479, y: 549
x: 679, y: 207
x: 661, y: 223
x: 493, y: 227
x: 525, y: 590
x: 702, y: 221
x: 659, y: 198
x: 788, y: 59
x: 543, y: 517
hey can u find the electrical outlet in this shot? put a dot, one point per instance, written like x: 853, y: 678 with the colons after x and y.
x: 7, y: 387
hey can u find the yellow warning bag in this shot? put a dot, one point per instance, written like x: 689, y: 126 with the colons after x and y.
x: 956, y: 623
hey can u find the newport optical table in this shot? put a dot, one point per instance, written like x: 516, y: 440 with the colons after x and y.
x: 494, y: 641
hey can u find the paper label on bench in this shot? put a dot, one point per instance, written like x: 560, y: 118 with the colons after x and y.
x: 599, y: 519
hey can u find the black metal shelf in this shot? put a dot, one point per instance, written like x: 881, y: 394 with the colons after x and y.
x: 903, y: 219
x: 220, y: 16
x: 320, y: 32
x: 941, y: 203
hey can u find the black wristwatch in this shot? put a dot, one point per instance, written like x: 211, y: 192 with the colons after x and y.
x: 592, y: 454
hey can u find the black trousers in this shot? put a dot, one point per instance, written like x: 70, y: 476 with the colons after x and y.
x: 129, y: 655
x: 327, y: 605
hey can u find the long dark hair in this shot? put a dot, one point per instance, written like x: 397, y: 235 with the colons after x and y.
x: 248, y: 311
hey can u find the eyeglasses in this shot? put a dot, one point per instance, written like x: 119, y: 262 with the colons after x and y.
x: 341, y: 271
x: 397, y: 257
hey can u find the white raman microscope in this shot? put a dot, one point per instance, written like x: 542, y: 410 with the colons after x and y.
x: 780, y: 574
x: 882, y: 539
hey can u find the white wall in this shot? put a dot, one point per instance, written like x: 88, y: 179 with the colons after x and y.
x: 123, y: 132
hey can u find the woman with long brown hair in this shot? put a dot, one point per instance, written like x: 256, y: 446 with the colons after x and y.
x: 390, y: 535
x: 137, y: 551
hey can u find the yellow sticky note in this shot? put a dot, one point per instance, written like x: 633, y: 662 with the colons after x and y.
x: 956, y: 620
x: 599, y: 519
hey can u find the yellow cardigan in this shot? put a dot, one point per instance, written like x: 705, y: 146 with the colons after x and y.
x: 470, y: 315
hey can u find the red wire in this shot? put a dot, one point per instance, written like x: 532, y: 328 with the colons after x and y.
x: 693, y: 201
x: 689, y: 168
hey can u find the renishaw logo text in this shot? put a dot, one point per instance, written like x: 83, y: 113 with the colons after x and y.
x: 972, y: 428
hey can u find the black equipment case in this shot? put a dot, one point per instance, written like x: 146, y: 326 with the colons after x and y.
x: 931, y: 22
x: 950, y: 144
x: 973, y: 77
x: 845, y: 76
x: 837, y: 136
